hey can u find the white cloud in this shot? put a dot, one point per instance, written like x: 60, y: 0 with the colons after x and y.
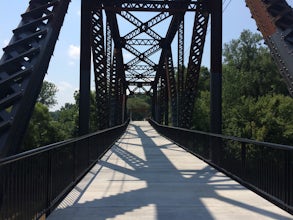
x: 74, y: 52
x: 64, y: 94
x: 5, y: 43
x: 64, y: 86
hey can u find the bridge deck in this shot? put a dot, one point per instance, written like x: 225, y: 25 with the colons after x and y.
x: 145, y: 176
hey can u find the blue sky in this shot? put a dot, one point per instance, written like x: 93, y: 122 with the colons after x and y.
x: 64, y: 66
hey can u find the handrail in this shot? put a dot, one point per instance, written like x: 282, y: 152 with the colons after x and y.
x: 232, y: 138
x: 266, y: 168
x: 53, y: 146
x: 33, y: 183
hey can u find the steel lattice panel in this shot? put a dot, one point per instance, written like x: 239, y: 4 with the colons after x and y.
x: 275, y: 21
x: 23, y: 67
x: 113, y: 76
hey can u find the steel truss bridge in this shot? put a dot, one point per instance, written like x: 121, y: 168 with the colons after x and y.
x: 171, y: 86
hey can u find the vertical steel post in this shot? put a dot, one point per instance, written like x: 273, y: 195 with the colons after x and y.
x: 216, y: 77
x: 166, y: 113
x: 216, y: 66
x: 154, y: 102
x: 85, y: 67
x: 161, y: 104
x: 180, y: 72
x: 171, y: 87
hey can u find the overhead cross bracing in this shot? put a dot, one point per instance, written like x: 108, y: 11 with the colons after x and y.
x: 138, y: 58
x: 145, y: 50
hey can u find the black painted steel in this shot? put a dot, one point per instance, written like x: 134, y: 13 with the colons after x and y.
x: 266, y: 168
x: 216, y: 76
x: 101, y: 37
x: 216, y: 67
x: 180, y: 72
x: 23, y: 67
x: 85, y: 67
x: 100, y: 68
x: 172, y: 87
x: 34, y: 182
x: 138, y: 5
x: 201, y: 19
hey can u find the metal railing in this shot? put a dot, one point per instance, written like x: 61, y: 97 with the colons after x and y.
x: 34, y: 182
x: 265, y: 168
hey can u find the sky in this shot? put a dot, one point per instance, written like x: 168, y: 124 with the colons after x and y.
x: 64, y: 66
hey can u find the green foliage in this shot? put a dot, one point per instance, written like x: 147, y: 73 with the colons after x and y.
x: 256, y: 104
x: 248, y: 69
x: 253, y: 92
x: 139, y: 107
x: 47, y: 95
x: 42, y: 129
x: 267, y: 118
x: 67, y: 118
x: 201, y: 112
x: 45, y: 127
x: 93, y: 112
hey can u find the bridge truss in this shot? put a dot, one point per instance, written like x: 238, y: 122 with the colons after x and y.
x: 172, y: 85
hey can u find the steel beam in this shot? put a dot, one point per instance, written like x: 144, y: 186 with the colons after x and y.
x: 23, y: 67
x: 154, y: 101
x: 113, y: 91
x: 171, y: 87
x: 109, y: 57
x: 195, y: 56
x: 216, y: 80
x: 138, y: 5
x: 100, y: 65
x: 216, y: 67
x: 274, y: 19
x: 85, y: 67
x: 180, y: 71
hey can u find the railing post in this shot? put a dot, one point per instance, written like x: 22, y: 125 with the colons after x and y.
x: 88, y: 151
x: 49, y: 181
x: 243, y: 160
x: 74, y: 161
x: 291, y: 178
x: 287, y: 177
x: 216, y: 145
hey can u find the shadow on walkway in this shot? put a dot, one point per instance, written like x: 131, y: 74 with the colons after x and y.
x: 161, y: 181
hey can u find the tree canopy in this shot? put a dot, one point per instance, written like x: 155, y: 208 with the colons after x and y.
x: 47, y: 95
x: 139, y: 107
x: 256, y: 103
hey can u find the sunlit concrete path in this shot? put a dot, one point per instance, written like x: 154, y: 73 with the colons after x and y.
x: 145, y: 176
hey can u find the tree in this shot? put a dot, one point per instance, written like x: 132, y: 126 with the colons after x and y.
x: 256, y: 103
x: 94, y: 124
x: 67, y: 118
x: 201, y: 112
x: 248, y: 69
x: 139, y: 107
x: 42, y: 129
x: 47, y: 95
x: 266, y: 118
x: 255, y: 99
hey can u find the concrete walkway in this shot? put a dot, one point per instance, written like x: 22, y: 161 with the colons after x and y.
x: 145, y: 176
